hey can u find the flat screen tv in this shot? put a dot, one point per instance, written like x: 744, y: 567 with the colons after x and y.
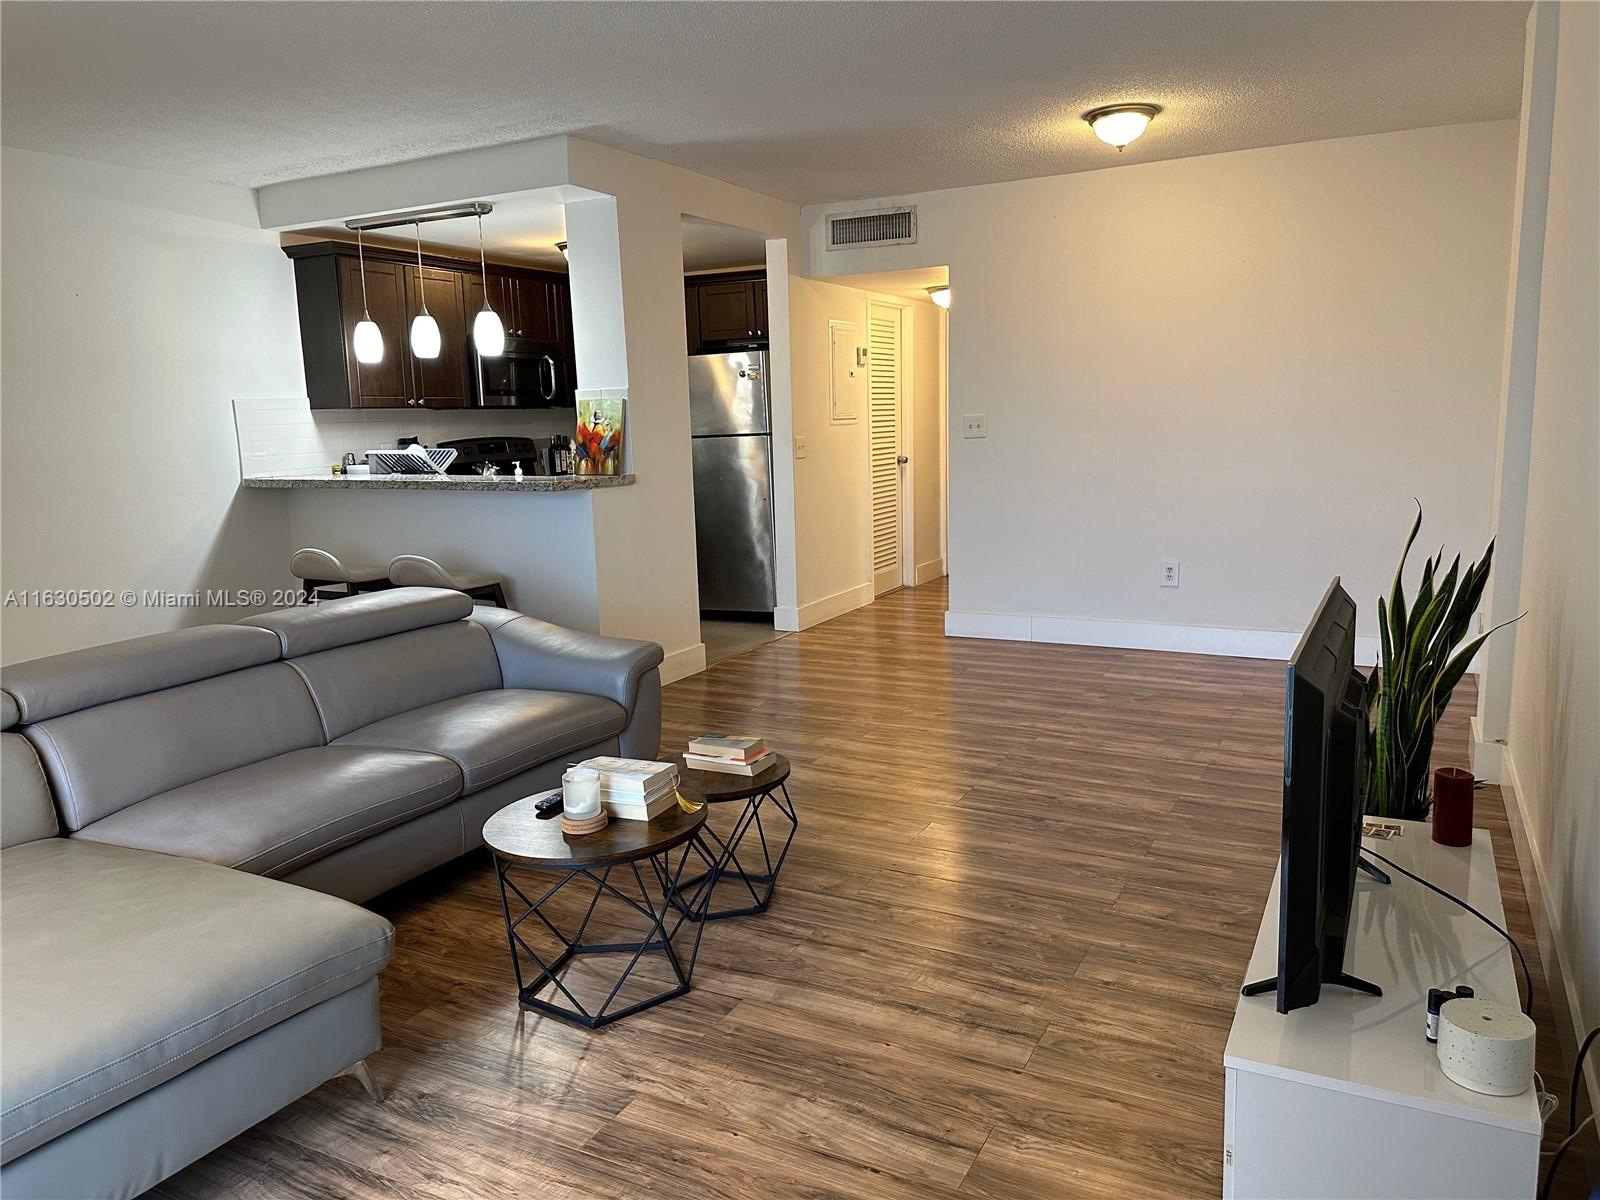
x: 1324, y: 740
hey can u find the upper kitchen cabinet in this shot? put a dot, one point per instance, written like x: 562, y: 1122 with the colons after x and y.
x: 725, y: 311
x: 440, y: 382
x: 530, y: 308
x: 535, y: 305
x: 384, y: 384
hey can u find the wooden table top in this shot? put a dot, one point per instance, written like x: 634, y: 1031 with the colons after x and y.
x: 518, y: 833
x: 719, y: 786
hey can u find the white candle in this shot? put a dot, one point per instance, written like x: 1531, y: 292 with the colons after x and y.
x: 580, y: 792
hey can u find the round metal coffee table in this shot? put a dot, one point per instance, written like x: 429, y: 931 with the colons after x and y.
x: 647, y: 859
x: 767, y: 810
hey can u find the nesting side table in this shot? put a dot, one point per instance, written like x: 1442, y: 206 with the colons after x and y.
x: 767, y: 810
x: 636, y: 870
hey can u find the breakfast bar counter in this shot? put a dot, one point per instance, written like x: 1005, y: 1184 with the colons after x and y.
x: 439, y: 483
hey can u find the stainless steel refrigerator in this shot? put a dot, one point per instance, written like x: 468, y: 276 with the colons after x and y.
x: 730, y: 422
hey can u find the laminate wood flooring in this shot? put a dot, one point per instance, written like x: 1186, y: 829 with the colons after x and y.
x: 1000, y: 962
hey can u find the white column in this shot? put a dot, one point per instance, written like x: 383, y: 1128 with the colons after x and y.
x: 1510, y: 503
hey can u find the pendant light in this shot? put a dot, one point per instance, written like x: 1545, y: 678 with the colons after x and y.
x: 425, y: 336
x: 488, y: 332
x: 368, y: 338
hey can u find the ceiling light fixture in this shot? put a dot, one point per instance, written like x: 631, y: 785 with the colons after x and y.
x: 940, y: 295
x: 368, y: 338
x: 1118, y: 124
x: 562, y: 246
x: 425, y: 336
x: 488, y: 332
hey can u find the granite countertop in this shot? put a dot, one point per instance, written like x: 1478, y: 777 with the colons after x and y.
x: 439, y: 483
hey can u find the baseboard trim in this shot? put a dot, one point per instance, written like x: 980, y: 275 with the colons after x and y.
x: 681, y: 664
x: 1136, y: 635
x: 1571, y: 1021
x: 927, y: 572
x: 814, y: 612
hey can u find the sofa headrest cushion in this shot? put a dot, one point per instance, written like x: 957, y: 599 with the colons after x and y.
x: 26, y: 811
x: 363, y: 618
x: 10, y: 714
x: 64, y: 683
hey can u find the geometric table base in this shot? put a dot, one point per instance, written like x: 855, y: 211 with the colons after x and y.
x: 659, y: 897
x: 747, y: 890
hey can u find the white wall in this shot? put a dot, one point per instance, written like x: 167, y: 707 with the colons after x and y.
x: 1248, y: 362
x: 929, y: 418
x: 1552, y: 756
x: 137, y: 307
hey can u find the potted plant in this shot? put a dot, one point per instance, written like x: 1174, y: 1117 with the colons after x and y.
x: 1422, y: 660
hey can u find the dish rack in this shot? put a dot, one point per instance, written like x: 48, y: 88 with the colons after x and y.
x: 404, y: 462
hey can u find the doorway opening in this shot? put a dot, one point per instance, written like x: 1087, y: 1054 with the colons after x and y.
x: 905, y: 348
x: 730, y: 429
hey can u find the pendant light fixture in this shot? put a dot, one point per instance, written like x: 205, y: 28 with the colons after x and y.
x: 488, y: 332
x: 425, y: 337
x: 368, y: 338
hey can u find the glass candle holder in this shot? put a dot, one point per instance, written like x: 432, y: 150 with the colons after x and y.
x: 580, y: 792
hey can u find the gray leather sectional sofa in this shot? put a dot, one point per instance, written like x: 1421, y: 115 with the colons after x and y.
x: 162, y: 985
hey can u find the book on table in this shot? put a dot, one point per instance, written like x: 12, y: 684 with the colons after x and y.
x: 728, y: 746
x: 641, y: 808
x: 729, y: 766
x: 632, y: 778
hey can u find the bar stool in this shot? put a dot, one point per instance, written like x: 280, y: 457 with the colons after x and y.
x: 413, y: 570
x: 318, y: 569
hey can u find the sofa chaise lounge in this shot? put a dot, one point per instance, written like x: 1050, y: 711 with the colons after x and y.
x: 162, y: 985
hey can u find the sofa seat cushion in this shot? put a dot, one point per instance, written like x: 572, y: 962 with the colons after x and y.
x: 277, y: 815
x: 124, y: 969
x: 493, y: 735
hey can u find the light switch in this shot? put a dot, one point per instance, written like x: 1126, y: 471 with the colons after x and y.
x: 975, y: 425
x: 799, y: 445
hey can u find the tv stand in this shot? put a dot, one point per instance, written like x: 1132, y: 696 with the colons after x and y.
x: 1345, y: 1097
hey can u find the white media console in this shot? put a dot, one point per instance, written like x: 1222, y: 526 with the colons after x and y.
x: 1345, y: 1098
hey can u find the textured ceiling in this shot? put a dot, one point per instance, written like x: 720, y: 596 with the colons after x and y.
x: 810, y: 102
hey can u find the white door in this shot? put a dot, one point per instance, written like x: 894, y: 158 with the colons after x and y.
x: 885, y: 390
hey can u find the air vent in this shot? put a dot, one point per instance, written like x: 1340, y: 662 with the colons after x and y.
x: 881, y: 227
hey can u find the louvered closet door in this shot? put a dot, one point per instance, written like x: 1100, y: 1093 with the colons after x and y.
x: 884, y: 388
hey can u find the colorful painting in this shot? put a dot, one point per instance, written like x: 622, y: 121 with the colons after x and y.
x: 599, y: 448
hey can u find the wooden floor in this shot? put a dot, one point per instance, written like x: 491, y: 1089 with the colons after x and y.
x: 1001, y: 961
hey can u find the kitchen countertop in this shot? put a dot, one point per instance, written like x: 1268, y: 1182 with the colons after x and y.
x: 439, y: 483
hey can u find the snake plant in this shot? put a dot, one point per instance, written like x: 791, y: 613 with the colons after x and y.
x: 1419, y: 668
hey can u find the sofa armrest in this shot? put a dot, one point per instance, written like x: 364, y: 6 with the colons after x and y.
x: 537, y: 654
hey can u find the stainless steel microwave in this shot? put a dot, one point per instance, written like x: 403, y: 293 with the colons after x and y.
x: 530, y: 374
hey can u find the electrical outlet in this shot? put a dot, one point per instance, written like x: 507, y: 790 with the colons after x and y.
x: 975, y: 425
x: 1169, y: 572
x: 799, y: 445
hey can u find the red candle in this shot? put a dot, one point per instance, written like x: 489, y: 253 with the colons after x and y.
x: 1452, y: 806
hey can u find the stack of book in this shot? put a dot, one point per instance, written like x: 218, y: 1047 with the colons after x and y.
x: 634, y: 789
x: 728, y: 753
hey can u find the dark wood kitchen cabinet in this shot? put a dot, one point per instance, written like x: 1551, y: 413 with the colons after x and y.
x: 384, y: 384
x: 439, y: 382
x: 725, y: 311
x: 532, y: 304
x: 530, y: 308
